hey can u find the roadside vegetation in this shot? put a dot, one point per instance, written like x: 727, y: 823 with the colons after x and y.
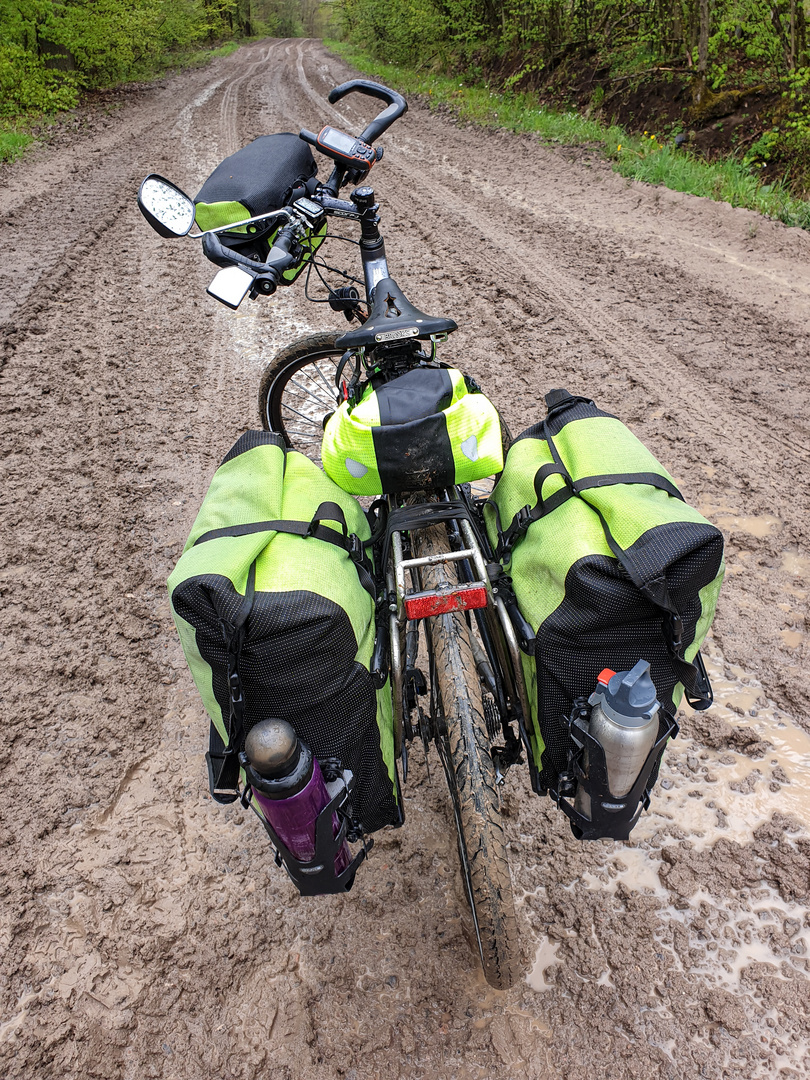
x: 723, y: 87
x: 647, y: 156
x: 53, y: 51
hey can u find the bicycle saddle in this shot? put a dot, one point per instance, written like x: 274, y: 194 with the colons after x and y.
x: 393, y: 318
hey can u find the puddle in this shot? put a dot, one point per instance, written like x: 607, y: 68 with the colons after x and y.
x: 726, y: 517
x: 792, y: 638
x: 795, y: 564
x: 545, y: 957
x: 755, y: 526
x: 759, y: 928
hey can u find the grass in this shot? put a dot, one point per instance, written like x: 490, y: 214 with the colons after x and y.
x: 638, y: 157
x: 12, y: 141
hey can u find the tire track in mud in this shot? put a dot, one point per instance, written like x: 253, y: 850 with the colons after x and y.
x: 145, y: 931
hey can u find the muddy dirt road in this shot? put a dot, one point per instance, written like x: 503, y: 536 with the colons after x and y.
x: 144, y: 931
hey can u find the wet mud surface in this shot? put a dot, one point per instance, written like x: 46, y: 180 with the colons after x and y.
x: 145, y: 931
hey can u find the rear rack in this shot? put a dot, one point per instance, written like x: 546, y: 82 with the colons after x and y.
x: 409, y: 606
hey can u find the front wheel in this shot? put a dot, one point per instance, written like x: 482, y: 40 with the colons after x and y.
x: 298, y: 392
x: 463, y: 746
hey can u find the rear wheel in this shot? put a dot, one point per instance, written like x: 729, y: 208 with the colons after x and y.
x: 298, y: 392
x: 463, y: 746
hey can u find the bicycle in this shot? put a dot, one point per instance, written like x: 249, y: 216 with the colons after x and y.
x: 445, y: 593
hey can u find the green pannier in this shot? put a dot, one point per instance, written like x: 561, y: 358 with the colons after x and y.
x: 274, y: 603
x: 267, y: 174
x: 429, y: 428
x: 608, y: 565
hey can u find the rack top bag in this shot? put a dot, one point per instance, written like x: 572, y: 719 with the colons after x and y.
x: 274, y: 603
x: 608, y: 565
x: 429, y: 428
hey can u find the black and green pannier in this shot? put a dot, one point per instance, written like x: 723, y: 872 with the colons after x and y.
x: 608, y: 565
x: 429, y: 428
x: 274, y: 602
x: 267, y: 174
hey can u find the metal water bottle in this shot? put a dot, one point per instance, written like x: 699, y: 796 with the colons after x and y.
x: 288, y: 785
x: 624, y: 721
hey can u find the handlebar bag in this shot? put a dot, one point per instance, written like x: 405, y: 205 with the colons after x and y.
x: 275, y: 607
x: 608, y: 564
x: 263, y: 176
x: 267, y: 174
x: 427, y: 429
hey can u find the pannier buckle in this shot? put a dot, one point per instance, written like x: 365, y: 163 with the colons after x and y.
x: 676, y: 632
x: 235, y: 688
x: 355, y: 548
x: 522, y: 521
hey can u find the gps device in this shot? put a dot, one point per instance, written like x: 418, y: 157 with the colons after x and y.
x: 346, y: 150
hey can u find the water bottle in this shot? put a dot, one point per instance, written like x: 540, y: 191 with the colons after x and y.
x: 624, y: 721
x: 289, y: 787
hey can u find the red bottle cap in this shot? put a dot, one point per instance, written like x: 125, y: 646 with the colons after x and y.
x: 605, y: 676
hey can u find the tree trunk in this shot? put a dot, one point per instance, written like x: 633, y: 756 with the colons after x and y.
x: 703, y: 38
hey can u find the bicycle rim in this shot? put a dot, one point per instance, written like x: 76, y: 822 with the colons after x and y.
x: 298, y: 392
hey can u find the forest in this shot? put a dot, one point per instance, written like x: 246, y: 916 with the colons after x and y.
x: 728, y: 77
x: 51, y: 50
x: 731, y: 75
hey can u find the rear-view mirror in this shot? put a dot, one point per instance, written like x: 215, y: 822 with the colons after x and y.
x: 168, y: 210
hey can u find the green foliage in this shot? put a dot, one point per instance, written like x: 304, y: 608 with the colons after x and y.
x: 26, y: 84
x: 403, y: 31
x: 51, y: 50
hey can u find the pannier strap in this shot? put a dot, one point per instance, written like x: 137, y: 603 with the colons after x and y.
x: 525, y: 517
x: 610, y: 479
x: 327, y: 511
x: 222, y: 760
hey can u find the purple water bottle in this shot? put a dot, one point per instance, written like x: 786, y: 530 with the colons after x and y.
x: 290, y: 789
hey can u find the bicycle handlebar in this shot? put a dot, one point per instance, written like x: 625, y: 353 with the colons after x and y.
x: 397, y: 105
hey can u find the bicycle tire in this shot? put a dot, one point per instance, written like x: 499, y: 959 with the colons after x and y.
x: 296, y: 407
x: 463, y: 746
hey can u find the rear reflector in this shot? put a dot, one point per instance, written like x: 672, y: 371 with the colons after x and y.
x: 437, y: 603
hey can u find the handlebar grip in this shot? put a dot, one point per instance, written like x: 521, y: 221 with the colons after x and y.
x: 397, y: 105
x: 278, y: 260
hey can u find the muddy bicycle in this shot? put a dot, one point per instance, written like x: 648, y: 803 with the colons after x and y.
x: 439, y: 609
x: 410, y: 446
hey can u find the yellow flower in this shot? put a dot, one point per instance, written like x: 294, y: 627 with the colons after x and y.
x: 619, y: 146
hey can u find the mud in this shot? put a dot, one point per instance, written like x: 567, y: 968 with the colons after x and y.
x: 146, y: 932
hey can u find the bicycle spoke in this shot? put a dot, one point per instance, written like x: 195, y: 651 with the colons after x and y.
x: 303, y: 416
x: 310, y: 393
x: 325, y: 383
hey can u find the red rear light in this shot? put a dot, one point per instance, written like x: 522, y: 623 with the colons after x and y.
x: 437, y: 603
